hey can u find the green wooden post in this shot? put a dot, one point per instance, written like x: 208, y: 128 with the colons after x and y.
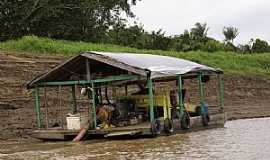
x: 201, y: 93
x: 180, y: 96
x: 126, y: 90
x: 151, y: 98
x: 94, y: 106
x: 221, y: 92
x: 37, y: 106
x: 74, y: 104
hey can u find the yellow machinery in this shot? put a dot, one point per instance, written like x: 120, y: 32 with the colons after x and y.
x: 160, y: 100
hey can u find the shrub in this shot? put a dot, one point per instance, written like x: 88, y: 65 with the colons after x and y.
x: 212, y: 46
x: 260, y: 46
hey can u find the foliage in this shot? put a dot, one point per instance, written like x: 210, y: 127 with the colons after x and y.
x: 199, y: 32
x: 229, y: 47
x: 230, y: 33
x: 99, y: 21
x: 260, y: 46
x: 213, y: 46
x: 245, y: 64
x: 244, y: 48
x: 86, y: 20
x: 159, y: 40
x: 127, y: 36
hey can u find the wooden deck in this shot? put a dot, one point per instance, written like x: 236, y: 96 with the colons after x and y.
x: 143, y: 129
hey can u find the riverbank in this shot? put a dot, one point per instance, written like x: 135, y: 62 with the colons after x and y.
x: 245, y: 96
x: 230, y: 62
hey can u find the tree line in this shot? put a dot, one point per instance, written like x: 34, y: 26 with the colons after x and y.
x: 193, y: 39
x: 100, y: 21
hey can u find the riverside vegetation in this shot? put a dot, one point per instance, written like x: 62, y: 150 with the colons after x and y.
x: 230, y: 62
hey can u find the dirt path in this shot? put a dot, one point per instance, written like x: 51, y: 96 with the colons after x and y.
x: 245, y: 97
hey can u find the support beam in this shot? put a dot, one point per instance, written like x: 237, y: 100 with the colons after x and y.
x: 201, y: 93
x: 126, y: 90
x: 37, y: 106
x: 221, y: 91
x: 151, y: 98
x: 88, y: 82
x: 74, y: 103
x: 180, y: 96
x: 88, y: 75
x: 100, y: 95
x: 117, y: 78
x: 94, y: 120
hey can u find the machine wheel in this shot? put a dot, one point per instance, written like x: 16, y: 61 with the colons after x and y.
x: 198, y: 111
x: 156, y: 127
x: 205, y: 119
x: 168, y: 126
x: 185, y: 121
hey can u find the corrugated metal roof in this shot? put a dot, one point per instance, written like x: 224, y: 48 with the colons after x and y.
x: 159, y: 66
x: 140, y: 64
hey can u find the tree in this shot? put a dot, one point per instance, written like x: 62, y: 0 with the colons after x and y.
x: 199, y: 32
x: 260, y: 46
x: 159, y: 40
x: 230, y: 33
x: 132, y: 36
x: 86, y: 20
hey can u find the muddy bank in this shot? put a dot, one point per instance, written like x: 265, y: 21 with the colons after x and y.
x: 245, y: 97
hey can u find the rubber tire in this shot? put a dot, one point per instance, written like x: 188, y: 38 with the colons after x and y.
x: 168, y: 126
x: 185, y: 121
x: 155, y: 127
x: 205, y: 119
x: 198, y: 111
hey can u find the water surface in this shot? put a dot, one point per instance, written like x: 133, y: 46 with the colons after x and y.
x: 240, y: 139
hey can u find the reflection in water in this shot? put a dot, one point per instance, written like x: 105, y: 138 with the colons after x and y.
x: 241, y: 139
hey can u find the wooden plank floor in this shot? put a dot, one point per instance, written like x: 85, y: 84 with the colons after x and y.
x: 217, y: 120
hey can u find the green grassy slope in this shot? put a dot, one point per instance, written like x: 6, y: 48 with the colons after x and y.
x: 231, y: 63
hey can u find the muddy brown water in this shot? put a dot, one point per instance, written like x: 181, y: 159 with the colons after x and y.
x: 240, y: 139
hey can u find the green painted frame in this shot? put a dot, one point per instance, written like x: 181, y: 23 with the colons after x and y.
x: 151, y: 98
x: 89, y: 82
x: 180, y: 96
x: 73, y: 83
x: 94, y: 118
x: 37, y: 106
x: 201, y: 93
x: 221, y: 91
x: 74, y: 103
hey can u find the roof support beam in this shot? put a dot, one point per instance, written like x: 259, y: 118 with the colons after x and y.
x: 84, y: 82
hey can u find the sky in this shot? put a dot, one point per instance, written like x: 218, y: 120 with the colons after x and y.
x: 251, y: 17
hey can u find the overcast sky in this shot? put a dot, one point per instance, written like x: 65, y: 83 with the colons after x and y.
x: 252, y: 17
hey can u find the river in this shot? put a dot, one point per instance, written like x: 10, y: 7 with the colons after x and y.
x: 239, y: 139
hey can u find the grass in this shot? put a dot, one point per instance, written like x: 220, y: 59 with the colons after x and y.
x: 231, y: 63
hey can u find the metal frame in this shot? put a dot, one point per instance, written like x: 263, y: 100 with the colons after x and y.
x: 37, y: 106
x: 180, y: 96
x: 94, y: 106
x: 92, y: 95
x: 201, y: 93
x: 74, y: 103
x: 85, y: 82
x: 221, y: 91
x: 72, y: 84
x: 151, y: 98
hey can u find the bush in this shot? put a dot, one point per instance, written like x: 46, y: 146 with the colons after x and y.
x: 260, y: 46
x: 229, y: 47
x: 212, y: 46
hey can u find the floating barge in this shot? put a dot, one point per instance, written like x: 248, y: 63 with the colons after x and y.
x: 146, y: 111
